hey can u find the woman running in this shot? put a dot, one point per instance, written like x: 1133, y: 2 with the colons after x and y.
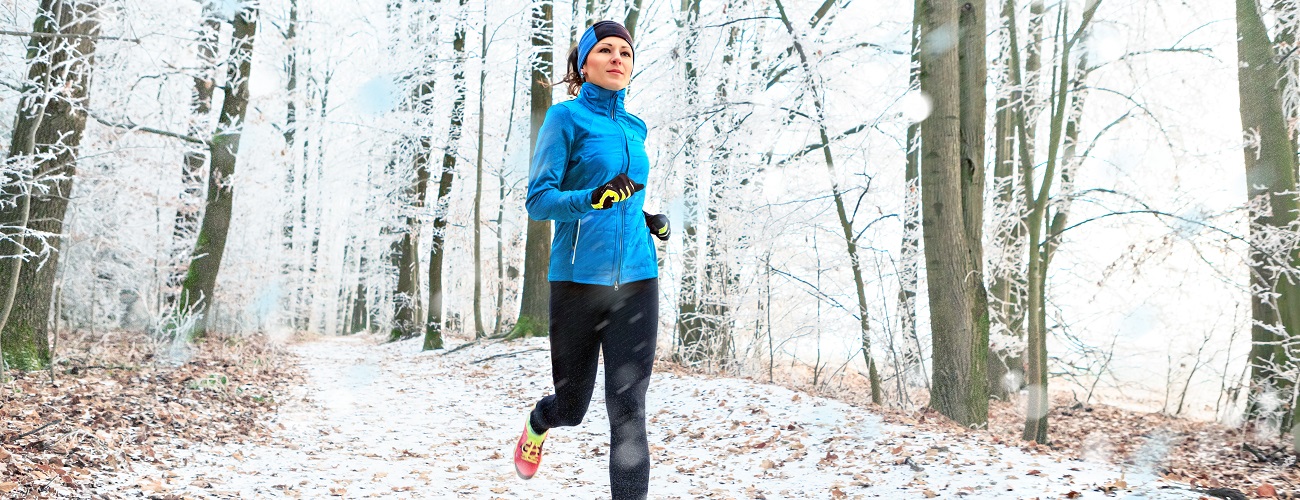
x: 587, y: 174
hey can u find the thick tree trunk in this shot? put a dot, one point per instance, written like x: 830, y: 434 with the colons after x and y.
x: 196, y: 158
x: 534, y: 308
x: 960, y: 387
x: 845, y: 224
x: 49, y: 124
x: 437, y: 250
x: 201, y: 279
x: 1270, y: 186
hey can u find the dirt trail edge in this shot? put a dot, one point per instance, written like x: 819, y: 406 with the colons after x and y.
x: 389, y: 421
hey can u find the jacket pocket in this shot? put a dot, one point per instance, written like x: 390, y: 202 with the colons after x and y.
x: 576, y: 235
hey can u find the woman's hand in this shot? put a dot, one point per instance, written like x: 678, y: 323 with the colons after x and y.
x: 617, y: 189
x: 658, y: 224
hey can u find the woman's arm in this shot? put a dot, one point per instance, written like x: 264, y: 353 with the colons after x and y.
x: 545, y: 199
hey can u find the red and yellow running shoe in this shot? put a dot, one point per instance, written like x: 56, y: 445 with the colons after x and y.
x: 528, y: 452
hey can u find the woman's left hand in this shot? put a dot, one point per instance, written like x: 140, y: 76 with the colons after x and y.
x: 658, y: 224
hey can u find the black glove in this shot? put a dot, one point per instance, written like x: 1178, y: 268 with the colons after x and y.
x: 617, y: 189
x: 658, y: 224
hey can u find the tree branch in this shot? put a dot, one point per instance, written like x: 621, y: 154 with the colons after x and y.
x: 134, y: 127
x: 67, y: 35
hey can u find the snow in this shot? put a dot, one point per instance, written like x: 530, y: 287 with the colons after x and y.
x: 386, y: 420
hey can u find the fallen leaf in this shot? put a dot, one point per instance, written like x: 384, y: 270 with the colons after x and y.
x: 1266, y: 490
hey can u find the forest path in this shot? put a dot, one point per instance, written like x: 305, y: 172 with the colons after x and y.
x: 389, y: 421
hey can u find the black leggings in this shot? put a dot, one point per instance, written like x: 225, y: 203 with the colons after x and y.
x: 586, y: 319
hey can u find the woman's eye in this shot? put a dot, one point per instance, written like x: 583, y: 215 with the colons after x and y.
x: 625, y: 54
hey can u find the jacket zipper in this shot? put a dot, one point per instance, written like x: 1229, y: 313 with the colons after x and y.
x: 622, y: 212
x: 574, y: 257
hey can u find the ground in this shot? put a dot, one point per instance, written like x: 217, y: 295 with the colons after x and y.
x: 386, y: 420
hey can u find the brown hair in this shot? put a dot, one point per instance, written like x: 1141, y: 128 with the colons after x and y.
x: 574, y: 76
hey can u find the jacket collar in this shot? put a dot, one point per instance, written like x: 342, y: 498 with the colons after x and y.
x: 600, y: 99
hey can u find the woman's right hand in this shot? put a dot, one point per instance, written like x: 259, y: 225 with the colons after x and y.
x: 617, y: 189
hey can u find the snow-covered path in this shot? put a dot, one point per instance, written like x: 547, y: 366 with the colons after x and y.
x: 389, y: 421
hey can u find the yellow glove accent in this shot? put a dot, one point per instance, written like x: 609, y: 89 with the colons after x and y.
x: 663, y: 230
x: 609, y: 194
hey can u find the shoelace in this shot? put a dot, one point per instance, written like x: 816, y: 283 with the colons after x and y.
x: 532, y: 452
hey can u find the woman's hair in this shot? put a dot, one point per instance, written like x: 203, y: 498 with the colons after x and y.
x: 574, y: 76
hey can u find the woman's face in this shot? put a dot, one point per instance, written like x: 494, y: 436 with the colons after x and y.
x: 609, y: 64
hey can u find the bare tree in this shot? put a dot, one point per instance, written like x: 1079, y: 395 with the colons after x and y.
x: 534, y: 307
x: 51, y: 120
x: 846, y: 224
x: 437, y: 250
x: 960, y: 386
x: 1270, y: 159
x: 196, y: 155
x: 201, y: 278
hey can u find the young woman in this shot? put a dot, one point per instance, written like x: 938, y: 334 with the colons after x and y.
x: 587, y: 174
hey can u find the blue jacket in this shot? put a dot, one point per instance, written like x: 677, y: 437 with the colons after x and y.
x: 583, y: 144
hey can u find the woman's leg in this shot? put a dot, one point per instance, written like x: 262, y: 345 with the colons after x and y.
x: 576, y: 309
x: 629, y: 349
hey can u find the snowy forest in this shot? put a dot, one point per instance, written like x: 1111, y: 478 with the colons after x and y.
x: 928, y: 205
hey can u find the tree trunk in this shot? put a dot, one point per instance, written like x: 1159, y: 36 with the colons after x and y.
x: 534, y: 307
x: 957, y: 392
x: 295, y: 200
x: 1009, y: 287
x: 478, y: 188
x: 692, y: 329
x: 1040, y: 250
x: 201, y: 279
x: 719, y: 279
x: 1270, y: 186
x: 501, y: 208
x: 973, y: 69
x: 845, y: 224
x: 403, y: 255
x: 909, y: 265
x: 437, y: 250
x: 196, y: 158
x: 49, y: 126
x: 633, y: 14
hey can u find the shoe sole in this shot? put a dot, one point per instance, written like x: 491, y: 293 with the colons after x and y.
x: 521, y: 474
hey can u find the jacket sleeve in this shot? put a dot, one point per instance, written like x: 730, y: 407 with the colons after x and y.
x: 550, y: 159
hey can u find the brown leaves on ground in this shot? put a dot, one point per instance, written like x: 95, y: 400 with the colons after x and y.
x: 116, y: 400
x: 1204, y: 455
